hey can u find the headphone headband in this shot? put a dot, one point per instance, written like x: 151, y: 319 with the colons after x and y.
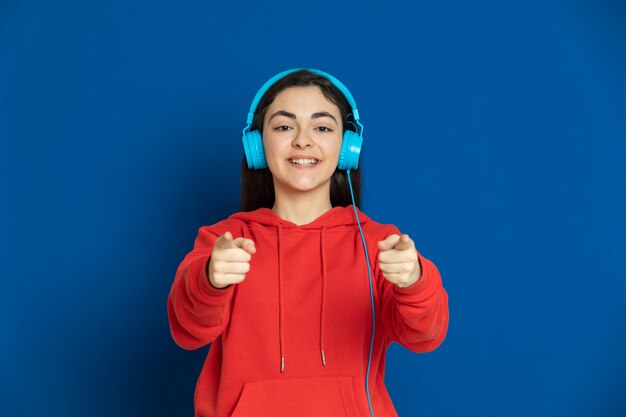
x: 342, y: 88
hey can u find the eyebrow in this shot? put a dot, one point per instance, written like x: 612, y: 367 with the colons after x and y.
x: 293, y: 116
x: 323, y: 114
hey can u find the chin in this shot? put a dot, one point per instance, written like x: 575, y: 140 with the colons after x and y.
x: 308, y: 186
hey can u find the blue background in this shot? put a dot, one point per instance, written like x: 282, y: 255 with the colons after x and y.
x: 495, y: 136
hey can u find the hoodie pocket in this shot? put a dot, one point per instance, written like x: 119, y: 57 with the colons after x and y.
x: 314, y: 397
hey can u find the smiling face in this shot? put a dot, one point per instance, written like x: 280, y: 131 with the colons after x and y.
x: 302, y: 134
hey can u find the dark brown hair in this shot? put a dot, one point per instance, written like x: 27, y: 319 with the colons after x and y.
x: 257, y: 185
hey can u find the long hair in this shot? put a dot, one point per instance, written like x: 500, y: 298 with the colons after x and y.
x: 257, y: 185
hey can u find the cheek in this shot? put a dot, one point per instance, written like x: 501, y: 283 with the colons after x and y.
x: 334, y: 148
x: 270, y: 145
x: 274, y: 149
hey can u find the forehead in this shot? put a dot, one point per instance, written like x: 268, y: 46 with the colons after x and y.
x: 309, y: 99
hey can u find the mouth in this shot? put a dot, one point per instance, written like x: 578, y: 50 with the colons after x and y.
x: 304, y: 162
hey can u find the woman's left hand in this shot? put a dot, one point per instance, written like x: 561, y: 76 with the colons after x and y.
x: 398, y: 260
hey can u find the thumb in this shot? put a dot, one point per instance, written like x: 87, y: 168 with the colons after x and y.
x: 389, y: 242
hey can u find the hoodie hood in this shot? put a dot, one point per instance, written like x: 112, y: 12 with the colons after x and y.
x: 336, y: 217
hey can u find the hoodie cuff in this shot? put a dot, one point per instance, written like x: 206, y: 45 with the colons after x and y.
x: 207, y: 288
x: 418, y: 286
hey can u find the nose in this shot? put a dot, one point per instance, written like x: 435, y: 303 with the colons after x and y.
x: 302, y: 140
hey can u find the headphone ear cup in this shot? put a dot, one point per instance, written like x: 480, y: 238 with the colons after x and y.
x: 253, y: 148
x: 350, y: 150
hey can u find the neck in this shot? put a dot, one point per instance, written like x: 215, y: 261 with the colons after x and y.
x: 301, y: 208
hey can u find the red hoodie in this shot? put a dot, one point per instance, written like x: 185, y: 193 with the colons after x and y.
x: 293, y: 338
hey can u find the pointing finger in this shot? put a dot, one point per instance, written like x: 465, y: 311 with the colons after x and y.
x: 225, y: 241
x: 388, y: 243
x: 405, y: 243
x: 245, y: 244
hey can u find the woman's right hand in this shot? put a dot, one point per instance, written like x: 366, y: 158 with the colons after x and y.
x: 230, y: 260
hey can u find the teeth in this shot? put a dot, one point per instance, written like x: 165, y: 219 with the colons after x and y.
x: 304, y: 162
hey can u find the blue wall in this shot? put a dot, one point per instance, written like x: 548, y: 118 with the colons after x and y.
x: 495, y: 135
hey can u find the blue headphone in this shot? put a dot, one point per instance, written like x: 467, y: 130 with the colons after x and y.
x: 350, y: 146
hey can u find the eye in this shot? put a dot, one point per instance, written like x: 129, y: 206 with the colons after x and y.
x: 324, y: 129
x: 282, y: 128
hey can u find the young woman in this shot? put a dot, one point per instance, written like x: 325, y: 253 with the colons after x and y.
x: 300, y: 294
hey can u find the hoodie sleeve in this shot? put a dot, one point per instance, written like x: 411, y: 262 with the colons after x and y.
x: 415, y: 316
x: 197, y: 311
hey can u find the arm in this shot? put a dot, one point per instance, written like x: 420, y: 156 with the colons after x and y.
x: 415, y: 316
x: 197, y: 311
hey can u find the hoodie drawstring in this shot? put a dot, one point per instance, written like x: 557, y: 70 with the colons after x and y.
x: 281, y: 337
x: 323, y: 308
x: 281, y: 295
